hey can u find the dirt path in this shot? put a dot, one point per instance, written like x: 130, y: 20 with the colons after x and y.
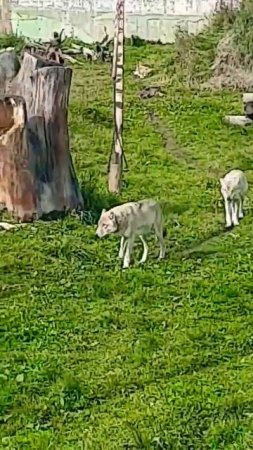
x: 203, y: 246
x: 170, y: 144
x: 172, y: 147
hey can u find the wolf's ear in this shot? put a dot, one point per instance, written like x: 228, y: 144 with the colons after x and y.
x: 111, y: 215
x: 102, y: 212
x: 221, y: 181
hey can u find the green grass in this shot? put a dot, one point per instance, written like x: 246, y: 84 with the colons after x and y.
x: 156, y: 357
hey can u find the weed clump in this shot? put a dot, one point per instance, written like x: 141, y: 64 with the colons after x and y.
x: 12, y: 40
x: 233, y: 65
x: 221, y: 56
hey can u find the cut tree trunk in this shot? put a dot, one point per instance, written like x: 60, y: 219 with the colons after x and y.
x: 41, y: 148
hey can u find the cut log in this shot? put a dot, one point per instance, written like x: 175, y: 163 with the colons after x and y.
x: 241, y: 121
x: 5, y: 226
x: 39, y: 147
x: 72, y: 60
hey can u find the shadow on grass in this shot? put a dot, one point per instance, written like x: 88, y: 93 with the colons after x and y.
x: 98, y: 117
x: 170, y: 207
x: 94, y: 201
x: 201, y: 248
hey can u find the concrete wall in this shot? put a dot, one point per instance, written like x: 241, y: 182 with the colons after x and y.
x: 85, y: 19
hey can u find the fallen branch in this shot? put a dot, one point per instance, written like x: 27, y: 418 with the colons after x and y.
x: 72, y: 51
x: 5, y: 226
x: 39, y: 49
x: 7, y: 49
x: 241, y: 121
x: 77, y: 46
x: 65, y: 52
x: 35, y: 45
x: 71, y: 59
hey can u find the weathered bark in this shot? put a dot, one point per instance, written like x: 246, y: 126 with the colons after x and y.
x: 50, y: 183
x: 9, y: 67
x: 5, y: 17
x: 17, y: 188
x: 116, y: 160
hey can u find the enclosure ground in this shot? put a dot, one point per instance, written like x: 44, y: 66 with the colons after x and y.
x: 157, y: 357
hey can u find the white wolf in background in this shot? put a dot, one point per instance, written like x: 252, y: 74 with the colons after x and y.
x: 142, y: 71
x: 130, y: 220
x: 234, y: 187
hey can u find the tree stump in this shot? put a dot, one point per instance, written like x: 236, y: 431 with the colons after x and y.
x: 41, y: 147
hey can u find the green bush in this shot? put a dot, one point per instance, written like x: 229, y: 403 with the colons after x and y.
x: 12, y: 40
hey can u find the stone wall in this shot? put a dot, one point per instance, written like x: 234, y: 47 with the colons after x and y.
x: 85, y: 19
x: 131, y: 6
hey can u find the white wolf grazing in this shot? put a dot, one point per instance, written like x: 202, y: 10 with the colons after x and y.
x: 130, y: 220
x: 234, y: 186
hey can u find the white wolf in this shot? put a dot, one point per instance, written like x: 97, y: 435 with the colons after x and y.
x: 130, y: 220
x: 142, y: 71
x: 234, y: 186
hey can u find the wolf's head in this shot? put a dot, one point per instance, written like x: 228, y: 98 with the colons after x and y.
x: 226, y: 189
x: 107, y: 224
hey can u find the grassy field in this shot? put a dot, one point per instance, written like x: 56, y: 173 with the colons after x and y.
x: 157, y: 357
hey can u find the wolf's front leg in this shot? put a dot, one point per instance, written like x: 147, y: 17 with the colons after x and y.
x: 240, y: 214
x: 235, y: 213
x: 228, y: 213
x: 145, y: 250
x: 128, y: 252
x: 122, y: 247
x: 159, y: 234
